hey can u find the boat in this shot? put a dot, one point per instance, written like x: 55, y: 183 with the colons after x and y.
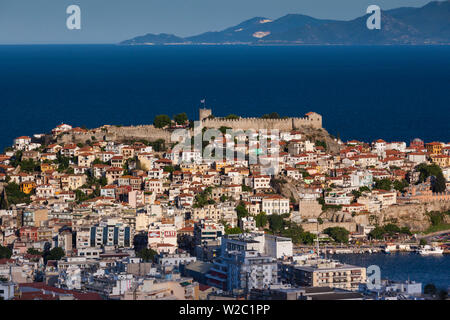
x: 389, y: 247
x: 429, y: 250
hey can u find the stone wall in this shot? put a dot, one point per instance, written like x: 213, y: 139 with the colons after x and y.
x: 258, y: 123
x: 312, y: 227
x: 115, y: 133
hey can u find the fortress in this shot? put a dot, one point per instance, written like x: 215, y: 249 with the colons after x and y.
x: 311, y: 119
x: 150, y: 133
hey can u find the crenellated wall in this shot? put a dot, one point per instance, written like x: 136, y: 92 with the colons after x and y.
x: 313, y: 120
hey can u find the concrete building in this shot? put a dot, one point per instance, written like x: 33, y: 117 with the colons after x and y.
x: 207, y: 231
x: 175, y: 259
x: 162, y: 235
x: 323, y: 273
x: 105, y: 234
x: 243, y: 270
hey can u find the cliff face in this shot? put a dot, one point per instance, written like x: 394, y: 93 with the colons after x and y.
x: 413, y: 216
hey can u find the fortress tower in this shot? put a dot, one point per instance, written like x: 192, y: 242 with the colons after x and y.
x: 204, y: 113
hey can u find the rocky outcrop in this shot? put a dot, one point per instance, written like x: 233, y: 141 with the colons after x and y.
x: 413, y: 216
x: 321, y: 134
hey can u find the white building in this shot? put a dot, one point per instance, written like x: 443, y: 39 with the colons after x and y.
x: 175, y: 259
x: 159, y: 234
x: 275, y: 204
x: 361, y: 179
x: 22, y: 143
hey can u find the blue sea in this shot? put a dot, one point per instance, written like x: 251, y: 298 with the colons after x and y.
x: 404, y: 266
x: 365, y: 93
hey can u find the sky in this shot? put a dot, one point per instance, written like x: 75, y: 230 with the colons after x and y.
x: 112, y: 21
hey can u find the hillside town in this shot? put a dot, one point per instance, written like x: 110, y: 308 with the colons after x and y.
x: 140, y: 219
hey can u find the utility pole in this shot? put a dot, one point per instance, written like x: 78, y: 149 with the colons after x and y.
x: 317, y: 221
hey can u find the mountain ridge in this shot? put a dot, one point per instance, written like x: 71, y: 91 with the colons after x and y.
x: 429, y: 24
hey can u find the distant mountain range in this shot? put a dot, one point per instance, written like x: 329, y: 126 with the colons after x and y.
x: 429, y: 24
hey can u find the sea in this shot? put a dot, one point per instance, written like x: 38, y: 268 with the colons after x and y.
x: 396, y: 93
x: 403, y: 266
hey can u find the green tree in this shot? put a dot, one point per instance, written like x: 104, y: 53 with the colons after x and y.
x: 147, y: 255
x: 169, y: 169
x: 436, y: 217
x: 235, y: 230
x: 391, y: 229
x: 4, y: 204
x: 224, y: 129
x: 98, y: 161
x: 34, y: 251
x: 377, y: 233
x: 320, y: 143
x: 103, y: 181
x: 261, y: 220
x: 356, y: 194
x: 203, y: 198
x: 272, y: 115
x: 363, y: 189
x: 434, y: 170
x: 161, y: 121
x: 232, y: 117
x: 241, y: 210
x: 29, y: 166
x: 439, y: 184
x: 158, y: 145
x: 5, y: 252
x: 426, y: 171
x: 275, y: 223
x: 180, y: 118
x: 14, y: 195
x: 405, y: 230
x: 62, y: 162
x: 338, y: 234
x: 383, y: 184
x: 400, y: 185
x: 55, y: 254
x: 423, y: 242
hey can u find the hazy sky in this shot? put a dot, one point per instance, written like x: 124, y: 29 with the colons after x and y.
x: 111, y: 21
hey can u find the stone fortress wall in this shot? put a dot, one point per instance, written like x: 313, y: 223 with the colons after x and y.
x: 150, y: 133
x: 311, y: 119
x: 116, y: 133
x: 147, y: 132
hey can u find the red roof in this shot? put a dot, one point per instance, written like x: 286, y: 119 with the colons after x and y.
x: 5, y: 261
x: 38, y: 290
